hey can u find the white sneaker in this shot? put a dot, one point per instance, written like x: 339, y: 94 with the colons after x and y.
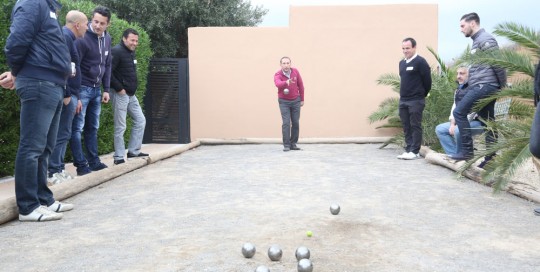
x: 410, y: 156
x: 402, y: 155
x: 55, y: 179
x: 66, y: 175
x: 58, y: 206
x: 40, y: 214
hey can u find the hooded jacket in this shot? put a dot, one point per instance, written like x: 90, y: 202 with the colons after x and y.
x: 36, y: 47
x: 95, y: 54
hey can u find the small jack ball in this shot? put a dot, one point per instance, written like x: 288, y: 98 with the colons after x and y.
x: 309, y: 233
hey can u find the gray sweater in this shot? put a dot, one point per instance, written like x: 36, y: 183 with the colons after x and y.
x: 481, y: 73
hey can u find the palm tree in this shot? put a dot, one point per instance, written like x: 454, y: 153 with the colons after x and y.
x: 512, y: 148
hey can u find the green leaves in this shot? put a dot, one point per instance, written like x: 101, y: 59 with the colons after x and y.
x: 167, y: 21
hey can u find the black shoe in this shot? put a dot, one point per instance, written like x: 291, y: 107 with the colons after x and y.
x: 537, y: 211
x: 285, y: 149
x: 131, y: 155
x: 120, y: 161
x: 485, y: 161
x: 460, y: 157
x: 83, y: 170
x: 99, y: 166
x: 294, y: 147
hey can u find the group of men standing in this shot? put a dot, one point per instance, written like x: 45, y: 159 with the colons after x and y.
x: 475, y: 82
x: 58, y: 74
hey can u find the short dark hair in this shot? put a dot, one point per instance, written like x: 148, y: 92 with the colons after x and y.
x: 103, y: 11
x: 130, y: 31
x: 282, y: 58
x: 413, y: 41
x: 471, y: 17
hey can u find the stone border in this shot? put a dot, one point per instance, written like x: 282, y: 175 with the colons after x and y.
x: 8, y: 207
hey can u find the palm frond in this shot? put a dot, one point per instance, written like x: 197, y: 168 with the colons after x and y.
x: 511, y: 60
x: 442, y: 65
x: 506, y: 164
x: 398, y: 140
x: 526, y: 37
x: 392, y: 80
x: 386, y: 109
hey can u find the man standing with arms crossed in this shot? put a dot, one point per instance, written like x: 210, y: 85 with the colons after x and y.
x: 94, y: 50
x: 40, y: 65
x: 484, y: 80
x: 415, y: 85
x: 76, y: 26
x: 124, y: 101
x: 291, y: 98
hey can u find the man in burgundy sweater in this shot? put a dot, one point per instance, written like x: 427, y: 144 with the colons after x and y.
x: 290, y: 98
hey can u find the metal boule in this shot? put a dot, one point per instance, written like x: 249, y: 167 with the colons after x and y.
x: 305, y: 265
x: 262, y: 268
x: 248, y: 250
x: 334, y: 209
x: 302, y: 253
x: 274, y: 253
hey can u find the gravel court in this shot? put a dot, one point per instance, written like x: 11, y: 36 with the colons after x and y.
x: 194, y: 212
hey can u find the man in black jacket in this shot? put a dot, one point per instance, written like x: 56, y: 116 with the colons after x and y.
x: 124, y: 101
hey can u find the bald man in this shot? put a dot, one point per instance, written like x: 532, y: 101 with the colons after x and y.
x: 76, y: 26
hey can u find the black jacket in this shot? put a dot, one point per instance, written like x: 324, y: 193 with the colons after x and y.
x: 537, y: 85
x: 36, y: 46
x: 124, y: 69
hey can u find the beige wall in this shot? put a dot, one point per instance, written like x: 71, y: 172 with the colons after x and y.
x: 340, y: 51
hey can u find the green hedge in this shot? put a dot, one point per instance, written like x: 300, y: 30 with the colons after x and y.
x: 9, y: 105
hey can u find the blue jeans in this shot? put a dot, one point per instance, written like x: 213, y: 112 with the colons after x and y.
x: 290, y: 117
x: 410, y: 113
x: 86, y: 124
x: 464, y: 107
x: 534, y: 142
x: 56, y: 161
x: 452, y: 143
x: 41, y: 104
x: 124, y: 105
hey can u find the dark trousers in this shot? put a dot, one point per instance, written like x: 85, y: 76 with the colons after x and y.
x: 534, y: 144
x: 464, y: 107
x: 290, y: 116
x: 410, y: 113
x: 41, y: 105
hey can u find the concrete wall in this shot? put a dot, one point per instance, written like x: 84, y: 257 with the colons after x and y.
x: 340, y: 51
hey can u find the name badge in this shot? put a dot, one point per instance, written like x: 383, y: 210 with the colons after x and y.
x: 53, y: 15
x: 134, y: 61
x: 106, y: 53
x: 410, y: 68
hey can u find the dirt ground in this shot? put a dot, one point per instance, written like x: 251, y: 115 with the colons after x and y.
x: 193, y: 212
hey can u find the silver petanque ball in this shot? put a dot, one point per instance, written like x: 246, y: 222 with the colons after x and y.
x: 286, y: 91
x: 274, y: 253
x: 262, y: 268
x: 334, y: 209
x: 248, y: 250
x: 302, y: 253
x: 305, y: 265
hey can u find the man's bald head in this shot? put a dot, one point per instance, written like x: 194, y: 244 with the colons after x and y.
x: 77, y: 22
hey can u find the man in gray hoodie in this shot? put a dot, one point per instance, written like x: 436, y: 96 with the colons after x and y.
x: 484, y: 80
